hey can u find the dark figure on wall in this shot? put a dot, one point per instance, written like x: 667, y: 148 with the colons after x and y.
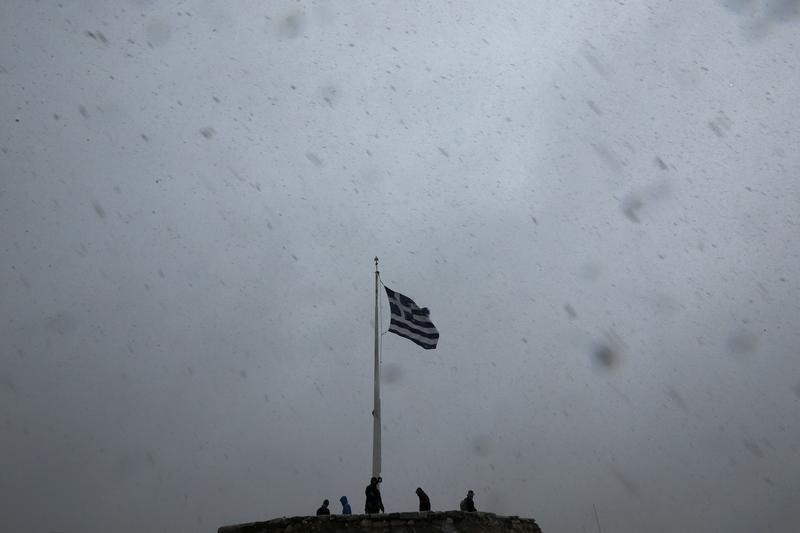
x: 322, y: 511
x: 467, y: 504
x: 424, y: 501
x: 374, y: 503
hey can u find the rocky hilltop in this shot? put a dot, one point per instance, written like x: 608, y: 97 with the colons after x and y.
x: 431, y: 522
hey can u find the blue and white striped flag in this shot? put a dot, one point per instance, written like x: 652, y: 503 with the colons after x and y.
x: 411, y: 322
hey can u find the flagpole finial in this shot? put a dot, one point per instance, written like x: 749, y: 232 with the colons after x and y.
x: 376, y: 262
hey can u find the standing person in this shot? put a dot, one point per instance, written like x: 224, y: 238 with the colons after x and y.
x: 322, y: 511
x: 345, y: 505
x: 467, y: 504
x: 374, y: 503
x: 424, y: 501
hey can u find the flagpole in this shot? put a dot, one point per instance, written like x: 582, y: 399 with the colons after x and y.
x: 376, y: 411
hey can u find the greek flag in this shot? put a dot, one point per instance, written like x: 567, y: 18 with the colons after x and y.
x: 410, y: 321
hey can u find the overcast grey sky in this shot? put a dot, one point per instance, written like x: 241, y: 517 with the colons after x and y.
x: 598, y: 201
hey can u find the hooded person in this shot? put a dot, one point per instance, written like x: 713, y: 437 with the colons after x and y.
x: 374, y: 503
x: 345, y: 505
x: 424, y: 501
x: 323, y: 510
x: 467, y: 504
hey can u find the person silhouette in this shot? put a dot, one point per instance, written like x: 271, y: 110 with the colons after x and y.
x: 322, y: 511
x: 424, y: 501
x: 467, y: 504
x: 345, y: 505
x: 374, y: 503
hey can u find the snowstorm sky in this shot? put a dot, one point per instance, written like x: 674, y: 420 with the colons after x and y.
x: 598, y: 201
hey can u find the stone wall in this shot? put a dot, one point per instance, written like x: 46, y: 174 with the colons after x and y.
x: 446, y: 522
